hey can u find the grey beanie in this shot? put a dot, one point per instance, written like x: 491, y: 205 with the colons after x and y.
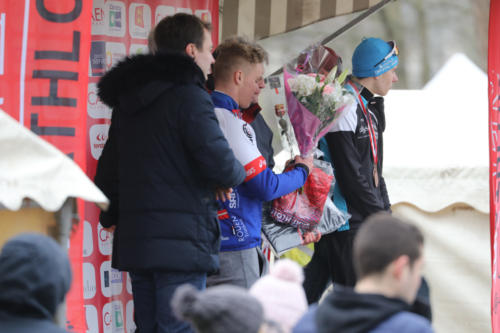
x: 218, y: 309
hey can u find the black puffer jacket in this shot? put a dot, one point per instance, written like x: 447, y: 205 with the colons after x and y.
x: 35, y: 276
x: 163, y: 160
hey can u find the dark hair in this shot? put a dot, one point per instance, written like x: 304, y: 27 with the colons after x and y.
x: 173, y: 33
x: 381, y: 239
x: 234, y: 51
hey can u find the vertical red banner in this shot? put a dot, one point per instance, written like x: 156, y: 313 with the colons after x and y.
x: 44, y: 52
x: 494, y: 127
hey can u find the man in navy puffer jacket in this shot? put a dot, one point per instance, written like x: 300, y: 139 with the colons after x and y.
x: 163, y: 162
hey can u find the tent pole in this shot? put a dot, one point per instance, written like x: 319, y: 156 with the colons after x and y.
x: 346, y: 27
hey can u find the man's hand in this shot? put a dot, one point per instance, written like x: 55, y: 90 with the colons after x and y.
x: 309, y: 236
x: 110, y: 229
x: 223, y: 194
x: 308, y: 161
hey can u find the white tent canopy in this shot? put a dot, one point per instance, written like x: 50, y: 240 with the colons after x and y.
x: 33, y: 168
x: 436, y: 170
x: 436, y: 141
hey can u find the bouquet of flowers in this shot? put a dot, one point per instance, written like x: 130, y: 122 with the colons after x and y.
x: 315, y: 95
x: 316, y: 99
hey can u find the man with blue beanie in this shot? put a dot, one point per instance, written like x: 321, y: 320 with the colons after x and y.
x: 355, y: 147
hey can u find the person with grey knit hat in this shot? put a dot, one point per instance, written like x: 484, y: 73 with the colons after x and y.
x: 219, y: 309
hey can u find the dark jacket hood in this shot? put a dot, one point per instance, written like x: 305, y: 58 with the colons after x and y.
x: 138, y: 80
x: 346, y: 311
x: 35, y: 276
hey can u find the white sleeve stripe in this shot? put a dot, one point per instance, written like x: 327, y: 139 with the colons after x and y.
x: 348, y: 122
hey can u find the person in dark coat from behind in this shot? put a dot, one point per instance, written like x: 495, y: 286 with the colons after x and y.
x: 35, y: 276
x: 163, y: 163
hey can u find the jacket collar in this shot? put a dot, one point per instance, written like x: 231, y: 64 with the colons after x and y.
x: 222, y: 100
x: 134, y: 73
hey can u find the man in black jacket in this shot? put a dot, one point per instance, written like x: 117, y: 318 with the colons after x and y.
x: 355, y: 146
x: 388, y: 256
x: 165, y: 159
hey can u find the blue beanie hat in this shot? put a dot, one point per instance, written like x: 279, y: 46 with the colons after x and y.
x: 366, y: 60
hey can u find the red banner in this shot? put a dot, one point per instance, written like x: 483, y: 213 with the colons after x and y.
x: 494, y: 126
x: 44, y: 50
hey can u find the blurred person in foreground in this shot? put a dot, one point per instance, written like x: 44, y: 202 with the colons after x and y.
x: 164, y: 164
x: 35, y: 276
x: 388, y: 258
x: 238, y: 76
x: 281, y: 294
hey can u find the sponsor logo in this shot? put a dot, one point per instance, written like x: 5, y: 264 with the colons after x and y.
x: 97, y: 58
x: 107, y: 318
x: 105, y: 278
x: 292, y: 220
x: 239, y: 229
x: 111, y: 280
x: 233, y: 200
x: 139, y: 16
x: 114, y: 53
x: 104, y: 240
x: 138, y: 49
x: 139, y: 20
x: 250, y: 172
x: 91, y: 319
x: 129, y: 317
x: 95, y: 108
x: 163, y: 11
x: 116, y: 281
x: 98, y: 18
x: 247, y: 132
x: 184, y: 10
x: 98, y: 134
x: 117, y: 307
x: 89, y: 282
x: 115, y: 18
x: 88, y: 243
x: 204, y: 15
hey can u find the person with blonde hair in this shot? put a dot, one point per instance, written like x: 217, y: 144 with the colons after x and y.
x: 239, y: 78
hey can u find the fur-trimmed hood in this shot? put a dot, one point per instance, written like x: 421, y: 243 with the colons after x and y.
x: 138, y: 80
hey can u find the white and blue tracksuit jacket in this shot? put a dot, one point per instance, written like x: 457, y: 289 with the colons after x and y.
x: 241, y: 217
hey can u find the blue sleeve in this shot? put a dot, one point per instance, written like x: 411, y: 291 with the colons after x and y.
x: 267, y: 185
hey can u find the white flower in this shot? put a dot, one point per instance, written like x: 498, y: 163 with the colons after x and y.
x: 303, y: 85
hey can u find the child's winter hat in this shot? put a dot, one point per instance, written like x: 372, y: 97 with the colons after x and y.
x: 218, y: 309
x: 281, y: 294
x: 373, y: 57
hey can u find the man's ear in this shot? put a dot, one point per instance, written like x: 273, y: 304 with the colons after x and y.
x: 190, y: 50
x: 399, y: 265
x: 238, y: 77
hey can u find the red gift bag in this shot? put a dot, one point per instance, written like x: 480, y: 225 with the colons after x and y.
x: 303, y: 208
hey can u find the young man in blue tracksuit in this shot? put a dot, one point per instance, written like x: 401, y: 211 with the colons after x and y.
x: 238, y: 74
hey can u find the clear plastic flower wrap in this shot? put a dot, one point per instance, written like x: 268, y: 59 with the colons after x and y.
x: 315, y: 95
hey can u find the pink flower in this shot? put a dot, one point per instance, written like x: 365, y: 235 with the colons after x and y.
x: 329, y: 88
